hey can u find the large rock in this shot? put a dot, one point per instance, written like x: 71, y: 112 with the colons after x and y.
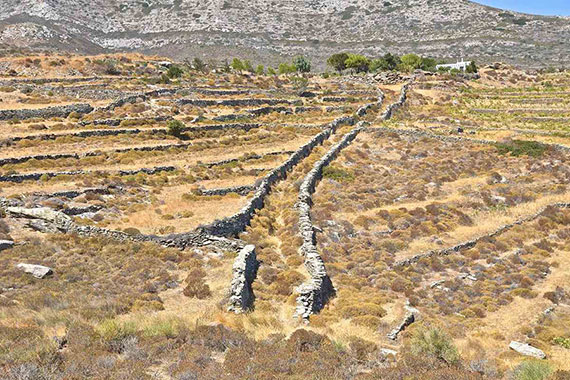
x: 38, y: 271
x: 527, y: 350
x: 5, y: 244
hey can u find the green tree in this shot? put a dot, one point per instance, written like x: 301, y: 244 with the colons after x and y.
x: 338, y: 61
x: 248, y: 66
x: 198, y: 64
x: 410, y: 62
x: 392, y: 61
x: 237, y: 65
x: 302, y: 64
x: 174, y: 72
x: 357, y: 63
x: 285, y: 68
x: 271, y: 71
x: 472, y: 68
x: 428, y: 64
x: 260, y: 70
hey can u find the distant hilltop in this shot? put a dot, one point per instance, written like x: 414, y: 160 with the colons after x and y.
x: 267, y: 32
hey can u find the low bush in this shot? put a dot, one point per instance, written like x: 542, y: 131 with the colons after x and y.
x: 435, y: 343
x: 532, y: 370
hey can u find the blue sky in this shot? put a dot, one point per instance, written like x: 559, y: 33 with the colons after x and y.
x: 542, y: 7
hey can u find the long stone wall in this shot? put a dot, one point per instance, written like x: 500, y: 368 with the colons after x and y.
x: 116, y: 132
x: 471, y: 243
x: 18, y: 178
x: 314, y: 294
x: 45, y: 113
x: 236, y: 102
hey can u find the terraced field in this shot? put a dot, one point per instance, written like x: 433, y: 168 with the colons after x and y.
x: 223, y: 226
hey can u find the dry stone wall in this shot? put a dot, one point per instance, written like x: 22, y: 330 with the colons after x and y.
x: 314, y: 294
x: 471, y: 243
x: 18, y: 178
x: 116, y: 132
x: 45, y: 113
x: 237, y: 223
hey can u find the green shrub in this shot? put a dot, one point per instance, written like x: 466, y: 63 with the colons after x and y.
x: 110, y: 330
x: 561, y: 341
x: 174, y: 72
x: 521, y: 148
x: 302, y: 64
x: 174, y: 128
x: 532, y: 370
x: 436, y: 343
x: 337, y: 174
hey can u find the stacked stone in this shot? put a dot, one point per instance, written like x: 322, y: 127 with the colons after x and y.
x: 244, y: 272
x: 117, y: 122
x: 398, y: 104
x: 45, y: 113
x: 115, y: 132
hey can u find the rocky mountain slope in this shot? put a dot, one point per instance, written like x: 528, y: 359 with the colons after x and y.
x: 268, y: 30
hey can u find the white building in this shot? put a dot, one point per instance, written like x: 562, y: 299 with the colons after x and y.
x: 460, y: 65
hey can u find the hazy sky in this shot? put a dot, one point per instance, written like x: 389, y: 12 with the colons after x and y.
x: 542, y: 7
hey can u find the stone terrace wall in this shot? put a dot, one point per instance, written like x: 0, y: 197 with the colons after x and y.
x: 18, y: 178
x: 46, y: 113
x: 115, y: 132
x: 236, y: 102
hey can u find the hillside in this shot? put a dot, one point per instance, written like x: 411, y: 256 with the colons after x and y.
x: 267, y: 31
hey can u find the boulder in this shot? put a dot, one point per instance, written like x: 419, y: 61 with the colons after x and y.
x: 38, y: 271
x: 6, y: 244
x: 527, y: 350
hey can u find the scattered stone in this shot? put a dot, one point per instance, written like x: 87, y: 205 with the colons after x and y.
x: 38, y: 271
x: 436, y: 284
x: 527, y: 350
x: 387, y: 352
x: 6, y: 244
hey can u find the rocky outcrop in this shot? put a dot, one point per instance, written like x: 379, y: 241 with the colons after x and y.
x: 45, y: 113
x: 38, y: 271
x: 527, y: 350
x: 244, y: 273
